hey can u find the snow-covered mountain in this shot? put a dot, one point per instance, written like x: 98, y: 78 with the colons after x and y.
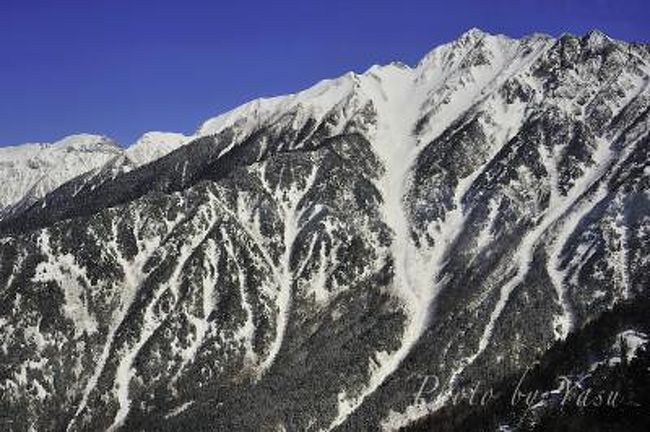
x: 29, y: 171
x: 300, y: 261
x: 154, y: 145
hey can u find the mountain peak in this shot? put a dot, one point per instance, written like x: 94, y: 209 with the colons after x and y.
x: 596, y: 37
x: 153, y: 145
x: 473, y: 33
x: 85, y: 142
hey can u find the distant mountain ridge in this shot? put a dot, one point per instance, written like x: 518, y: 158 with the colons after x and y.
x: 30, y: 171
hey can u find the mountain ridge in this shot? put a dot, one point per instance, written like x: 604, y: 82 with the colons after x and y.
x: 470, y: 33
x: 153, y: 145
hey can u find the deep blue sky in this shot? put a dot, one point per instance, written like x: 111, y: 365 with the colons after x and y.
x: 121, y: 68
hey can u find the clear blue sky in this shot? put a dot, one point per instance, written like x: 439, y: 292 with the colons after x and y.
x: 121, y: 68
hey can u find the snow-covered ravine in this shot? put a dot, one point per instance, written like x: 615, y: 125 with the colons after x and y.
x: 400, y: 95
x: 133, y: 277
x: 395, y: 100
x: 288, y: 202
x: 152, y: 322
x: 565, y: 215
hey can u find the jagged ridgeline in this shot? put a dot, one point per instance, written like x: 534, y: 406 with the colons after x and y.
x: 301, y: 262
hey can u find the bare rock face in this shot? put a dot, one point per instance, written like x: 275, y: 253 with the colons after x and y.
x: 296, y: 262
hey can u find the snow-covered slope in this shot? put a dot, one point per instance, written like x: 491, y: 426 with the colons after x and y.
x: 154, y: 145
x: 29, y: 171
x: 298, y: 260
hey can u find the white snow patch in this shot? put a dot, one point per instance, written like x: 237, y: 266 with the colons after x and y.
x: 634, y: 340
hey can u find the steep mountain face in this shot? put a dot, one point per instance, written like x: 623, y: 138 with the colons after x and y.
x: 302, y: 261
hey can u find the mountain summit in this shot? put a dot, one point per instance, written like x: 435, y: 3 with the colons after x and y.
x: 301, y: 262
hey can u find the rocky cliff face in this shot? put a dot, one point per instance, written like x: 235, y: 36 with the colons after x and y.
x: 302, y: 260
